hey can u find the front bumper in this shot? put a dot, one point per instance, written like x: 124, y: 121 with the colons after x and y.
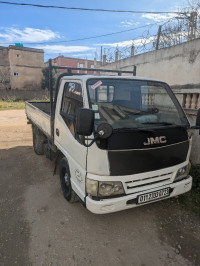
x: 118, y: 204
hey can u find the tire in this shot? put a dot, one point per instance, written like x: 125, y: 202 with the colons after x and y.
x: 38, y: 141
x: 65, y: 182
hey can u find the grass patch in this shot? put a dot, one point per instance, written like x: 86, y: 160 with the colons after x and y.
x: 12, y: 105
x: 191, y: 200
x: 16, y: 104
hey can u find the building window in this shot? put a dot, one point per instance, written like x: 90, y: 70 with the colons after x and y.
x: 80, y: 65
x: 92, y: 66
x: 17, y: 55
x: 16, y: 74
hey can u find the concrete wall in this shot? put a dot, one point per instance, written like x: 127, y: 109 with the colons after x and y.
x: 178, y: 65
x: 26, y: 68
x: 4, y: 56
x: 23, y: 67
x: 28, y: 78
x: 26, y: 56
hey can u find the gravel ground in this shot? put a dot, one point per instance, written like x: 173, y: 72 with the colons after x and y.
x: 39, y: 227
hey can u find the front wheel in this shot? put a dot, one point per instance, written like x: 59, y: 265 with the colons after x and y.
x: 65, y: 181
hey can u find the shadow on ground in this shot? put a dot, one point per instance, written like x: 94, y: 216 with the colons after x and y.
x: 39, y: 227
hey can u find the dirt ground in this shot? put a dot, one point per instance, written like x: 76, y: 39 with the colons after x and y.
x: 39, y: 227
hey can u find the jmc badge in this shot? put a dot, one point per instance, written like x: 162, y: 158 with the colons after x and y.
x: 156, y: 140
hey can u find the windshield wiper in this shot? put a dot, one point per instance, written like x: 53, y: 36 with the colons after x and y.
x: 136, y: 112
x: 133, y: 129
x: 139, y: 111
x: 164, y: 123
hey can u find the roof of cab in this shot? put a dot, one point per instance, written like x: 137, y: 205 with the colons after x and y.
x: 86, y: 77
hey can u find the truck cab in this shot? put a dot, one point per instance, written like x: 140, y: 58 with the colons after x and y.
x: 125, y: 141
x: 146, y: 156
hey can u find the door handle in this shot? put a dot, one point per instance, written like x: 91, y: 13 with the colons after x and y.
x: 57, y: 132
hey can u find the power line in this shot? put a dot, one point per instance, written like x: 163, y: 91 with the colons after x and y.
x: 88, y: 38
x: 92, y: 9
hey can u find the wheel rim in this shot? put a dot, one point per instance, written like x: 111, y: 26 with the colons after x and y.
x: 65, y: 183
x: 66, y: 179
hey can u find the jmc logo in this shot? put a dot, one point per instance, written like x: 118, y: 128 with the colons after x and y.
x: 156, y: 140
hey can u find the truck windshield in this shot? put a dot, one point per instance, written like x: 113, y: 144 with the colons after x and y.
x: 132, y: 104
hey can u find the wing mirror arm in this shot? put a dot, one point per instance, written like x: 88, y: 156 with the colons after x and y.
x: 92, y: 141
x: 104, y: 131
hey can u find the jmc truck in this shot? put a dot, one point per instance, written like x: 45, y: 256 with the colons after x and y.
x: 123, y: 141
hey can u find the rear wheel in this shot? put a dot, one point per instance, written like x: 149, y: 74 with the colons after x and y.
x: 38, y: 141
x: 65, y: 181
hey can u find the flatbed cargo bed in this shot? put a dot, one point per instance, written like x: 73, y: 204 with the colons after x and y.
x: 39, y: 114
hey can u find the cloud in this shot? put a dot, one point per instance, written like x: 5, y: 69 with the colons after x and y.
x: 129, y: 23
x: 64, y: 49
x: 33, y: 35
x: 158, y: 17
x: 137, y: 42
x: 83, y: 55
x: 13, y: 35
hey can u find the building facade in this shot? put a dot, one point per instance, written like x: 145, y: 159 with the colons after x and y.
x: 73, y: 62
x: 22, y: 68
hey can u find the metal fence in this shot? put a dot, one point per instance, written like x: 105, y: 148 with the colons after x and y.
x: 176, y: 30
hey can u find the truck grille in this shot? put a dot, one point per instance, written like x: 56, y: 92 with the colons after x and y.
x: 137, y: 185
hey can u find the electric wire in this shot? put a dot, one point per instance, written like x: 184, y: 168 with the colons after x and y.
x: 92, y: 9
x: 86, y: 38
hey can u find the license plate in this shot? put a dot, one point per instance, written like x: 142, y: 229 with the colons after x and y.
x: 153, y: 195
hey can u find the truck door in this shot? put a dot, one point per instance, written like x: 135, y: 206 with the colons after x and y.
x: 66, y: 140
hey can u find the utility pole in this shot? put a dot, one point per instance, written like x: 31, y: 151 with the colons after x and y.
x: 132, y: 50
x: 116, y: 54
x: 158, y: 37
x: 104, y: 59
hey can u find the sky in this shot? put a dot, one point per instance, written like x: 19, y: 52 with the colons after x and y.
x: 39, y: 27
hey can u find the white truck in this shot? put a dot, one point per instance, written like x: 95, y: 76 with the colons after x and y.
x: 123, y: 141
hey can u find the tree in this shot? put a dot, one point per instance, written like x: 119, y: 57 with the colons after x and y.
x: 4, y: 78
x: 45, y: 79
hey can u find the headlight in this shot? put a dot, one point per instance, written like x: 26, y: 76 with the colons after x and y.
x: 110, y: 188
x: 182, y: 173
x: 103, y: 189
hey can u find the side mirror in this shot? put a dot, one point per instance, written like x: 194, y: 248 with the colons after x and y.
x: 84, y: 122
x: 198, y: 118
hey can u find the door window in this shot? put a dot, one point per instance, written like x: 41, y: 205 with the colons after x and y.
x: 72, y: 101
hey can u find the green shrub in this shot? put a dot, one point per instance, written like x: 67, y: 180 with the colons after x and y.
x: 11, y: 105
x: 195, y: 173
